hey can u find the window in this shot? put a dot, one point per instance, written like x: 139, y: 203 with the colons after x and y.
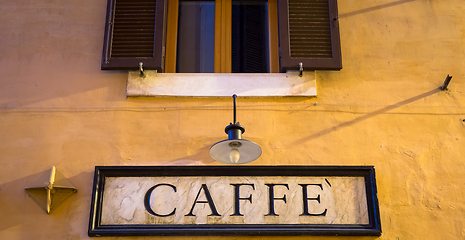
x: 221, y: 36
x: 195, y: 48
x: 250, y: 37
x: 137, y: 30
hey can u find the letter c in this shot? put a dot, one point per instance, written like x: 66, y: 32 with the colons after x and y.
x: 147, y: 200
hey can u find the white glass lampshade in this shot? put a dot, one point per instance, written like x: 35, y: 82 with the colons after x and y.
x: 226, y: 151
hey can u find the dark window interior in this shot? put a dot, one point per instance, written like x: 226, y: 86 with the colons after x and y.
x: 250, y: 37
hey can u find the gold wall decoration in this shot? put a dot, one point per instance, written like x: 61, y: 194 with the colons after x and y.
x: 50, y: 190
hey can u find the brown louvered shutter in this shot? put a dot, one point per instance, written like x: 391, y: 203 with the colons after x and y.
x: 309, y: 33
x: 134, y: 33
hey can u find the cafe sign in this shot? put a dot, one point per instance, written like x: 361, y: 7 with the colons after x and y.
x: 238, y: 200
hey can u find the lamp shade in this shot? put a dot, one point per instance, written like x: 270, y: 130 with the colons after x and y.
x: 235, y: 150
x: 248, y: 151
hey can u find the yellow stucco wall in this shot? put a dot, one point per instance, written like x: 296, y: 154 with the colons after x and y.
x: 383, y: 109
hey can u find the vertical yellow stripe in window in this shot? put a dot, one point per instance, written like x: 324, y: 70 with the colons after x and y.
x: 171, y: 36
x: 273, y: 38
x: 223, y: 36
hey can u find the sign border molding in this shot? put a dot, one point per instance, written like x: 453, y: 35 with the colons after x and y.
x: 96, y: 229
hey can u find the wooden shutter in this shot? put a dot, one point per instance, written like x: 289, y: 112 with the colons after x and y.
x: 309, y: 33
x: 134, y: 33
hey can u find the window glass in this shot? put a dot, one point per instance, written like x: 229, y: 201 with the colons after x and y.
x: 196, y: 37
x: 250, y: 37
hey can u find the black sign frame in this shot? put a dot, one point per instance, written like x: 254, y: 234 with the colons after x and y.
x: 96, y: 229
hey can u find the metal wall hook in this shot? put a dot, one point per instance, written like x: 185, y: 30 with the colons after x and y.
x: 446, y: 82
x: 301, y: 69
x: 141, y: 70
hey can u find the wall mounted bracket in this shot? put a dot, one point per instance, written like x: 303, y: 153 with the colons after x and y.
x: 51, y: 189
x: 446, y: 82
x: 141, y: 69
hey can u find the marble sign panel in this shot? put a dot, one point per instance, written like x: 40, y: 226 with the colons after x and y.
x: 250, y: 200
x: 329, y: 200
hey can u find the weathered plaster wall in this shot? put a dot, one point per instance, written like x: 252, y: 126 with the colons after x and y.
x: 383, y: 109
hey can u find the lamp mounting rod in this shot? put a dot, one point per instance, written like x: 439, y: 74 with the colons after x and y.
x: 234, y: 103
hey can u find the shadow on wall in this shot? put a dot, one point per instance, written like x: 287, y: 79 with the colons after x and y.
x: 22, y: 215
x: 50, y: 56
x: 62, y: 89
x: 365, y: 117
x: 392, y: 4
x: 201, y: 157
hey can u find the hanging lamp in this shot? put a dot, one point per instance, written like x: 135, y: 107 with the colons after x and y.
x: 235, y: 150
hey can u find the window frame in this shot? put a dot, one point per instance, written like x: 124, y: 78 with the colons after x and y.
x: 164, y: 56
x: 223, y: 15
